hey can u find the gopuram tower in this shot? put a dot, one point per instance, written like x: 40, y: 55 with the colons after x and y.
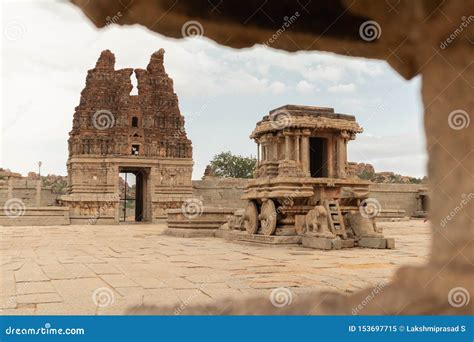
x: 117, y: 133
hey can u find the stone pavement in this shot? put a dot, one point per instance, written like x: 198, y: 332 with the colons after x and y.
x: 106, y: 269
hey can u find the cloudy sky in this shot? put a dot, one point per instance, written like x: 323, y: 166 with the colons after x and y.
x: 48, y: 48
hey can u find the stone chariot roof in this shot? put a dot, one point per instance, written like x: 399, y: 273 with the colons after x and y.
x: 292, y: 117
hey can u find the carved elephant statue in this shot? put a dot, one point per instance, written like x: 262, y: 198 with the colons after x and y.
x: 316, y: 223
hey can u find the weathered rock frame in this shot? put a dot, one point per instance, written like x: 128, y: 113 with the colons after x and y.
x: 411, y: 39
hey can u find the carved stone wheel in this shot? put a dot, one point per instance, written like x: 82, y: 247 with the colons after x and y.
x: 251, y: 218
x: 268, y: 217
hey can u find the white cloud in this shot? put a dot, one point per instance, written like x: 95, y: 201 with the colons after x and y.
x: 343, y: 88
x: 362, y: 67
x: 262, y: 69
x: 324, y: 73
x: 45, y: 80
x: 304, y: 87
x: 277, y: 87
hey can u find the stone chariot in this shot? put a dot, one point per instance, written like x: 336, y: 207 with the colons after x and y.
x: 302, y: 191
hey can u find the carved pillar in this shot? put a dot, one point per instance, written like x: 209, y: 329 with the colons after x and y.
x: 345, y: 157
x: 264, y: 151
x: 305, y: 152
x: 342, y: 158
x: 287, y: 146
x: 331, y: 157
x: 297, y: 148
x: 258, y: 153
x: 275, y: 148
x: 337, y: 157
x: 342, y: 154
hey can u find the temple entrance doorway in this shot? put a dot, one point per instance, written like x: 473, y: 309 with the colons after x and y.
x: 134, y: 197
x: 318, y: 157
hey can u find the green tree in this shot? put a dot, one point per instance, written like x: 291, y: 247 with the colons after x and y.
x: 367, y: 175
x: 227, y: 165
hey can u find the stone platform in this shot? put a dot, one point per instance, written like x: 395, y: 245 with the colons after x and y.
x: 326, y: 244
x: 202, y: 221
x: 364, y: 242
x: 56, y: 270
x: 37, y: 216
x: 282, y: 240
x: 189, y: 232
x: 295, y: 240
x: 375, y: 242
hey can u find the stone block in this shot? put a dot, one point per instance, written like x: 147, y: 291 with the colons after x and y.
x: 285, y: 231
x: 379, y: 243
x: 263, y: 239
x: 321, y: 243
x: 37, y: 216
x: 118, y: 280
x: 204, y: 223
x: 189, y: 233
x: 33, y: 287
x: 299, y: 223
x: 36, y: 298
x: 348, y: 243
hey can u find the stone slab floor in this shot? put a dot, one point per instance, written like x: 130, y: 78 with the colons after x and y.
x: 105, y: 269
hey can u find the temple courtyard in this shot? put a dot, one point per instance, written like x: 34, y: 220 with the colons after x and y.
x: 95, y: 269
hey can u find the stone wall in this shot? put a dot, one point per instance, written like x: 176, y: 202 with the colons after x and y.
x: 27, y: 202
x: 220, y: 192
x: 28, y: 191
x: 226, y: 192
x: 34, y: 216
x: 397, y: 196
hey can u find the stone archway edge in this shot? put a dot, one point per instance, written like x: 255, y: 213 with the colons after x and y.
x: 427, y: 38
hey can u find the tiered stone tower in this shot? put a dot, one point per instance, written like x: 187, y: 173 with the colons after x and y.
x: 114, y: 132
